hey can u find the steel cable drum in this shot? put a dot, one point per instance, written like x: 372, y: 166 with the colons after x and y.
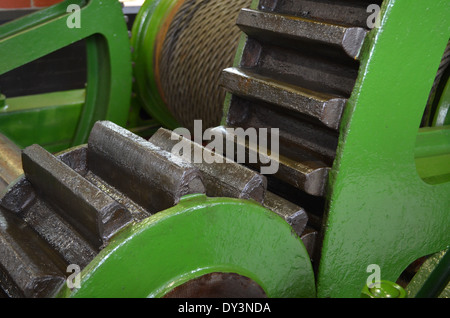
x: 180, y: 50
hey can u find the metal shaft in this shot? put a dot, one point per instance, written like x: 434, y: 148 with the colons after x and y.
x: 10, y: 162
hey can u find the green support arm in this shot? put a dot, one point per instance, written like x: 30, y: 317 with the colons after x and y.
x: 108, y: 53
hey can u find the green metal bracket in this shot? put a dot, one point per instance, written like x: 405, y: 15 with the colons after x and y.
x: 198, y: 237
x: 380, y: 210
x: 108, y: 53
x: 49, y: 120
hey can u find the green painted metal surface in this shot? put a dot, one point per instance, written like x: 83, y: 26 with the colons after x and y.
x: 380, y: 211
x: 197, y: 237
x: 149, y: 22
x: 383, y: 289
x: 108, y: 53
x: 432, y: 154
x: 48, y: 119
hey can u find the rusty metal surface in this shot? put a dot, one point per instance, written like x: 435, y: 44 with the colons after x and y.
x: 10, y: 162
x: 219, y: 285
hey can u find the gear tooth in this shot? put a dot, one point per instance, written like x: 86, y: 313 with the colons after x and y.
x: 296, y: 74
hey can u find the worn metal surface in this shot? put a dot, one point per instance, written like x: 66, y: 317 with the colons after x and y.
x: 223, y: 177
x: 310, y: 237
x: 29, y: 267
x: 91, y: 212
x: 304, y: 171
x: 230, y: 236
x: 108, y: 55
x: 326, y: 108
x: 64, y: 212
x: 294, y: 47
x: 347, y: 12
x: 298, y: 138
x: 156, y: 180
x: 75, y: 209
x: 277, y: 28
x: 369, y: 145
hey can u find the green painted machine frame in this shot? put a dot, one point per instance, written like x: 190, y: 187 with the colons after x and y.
x: 383, y: 207
x: 64, y: 120
x: 197, y: 237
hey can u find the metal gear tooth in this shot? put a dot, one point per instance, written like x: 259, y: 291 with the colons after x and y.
x: 266, y: 93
